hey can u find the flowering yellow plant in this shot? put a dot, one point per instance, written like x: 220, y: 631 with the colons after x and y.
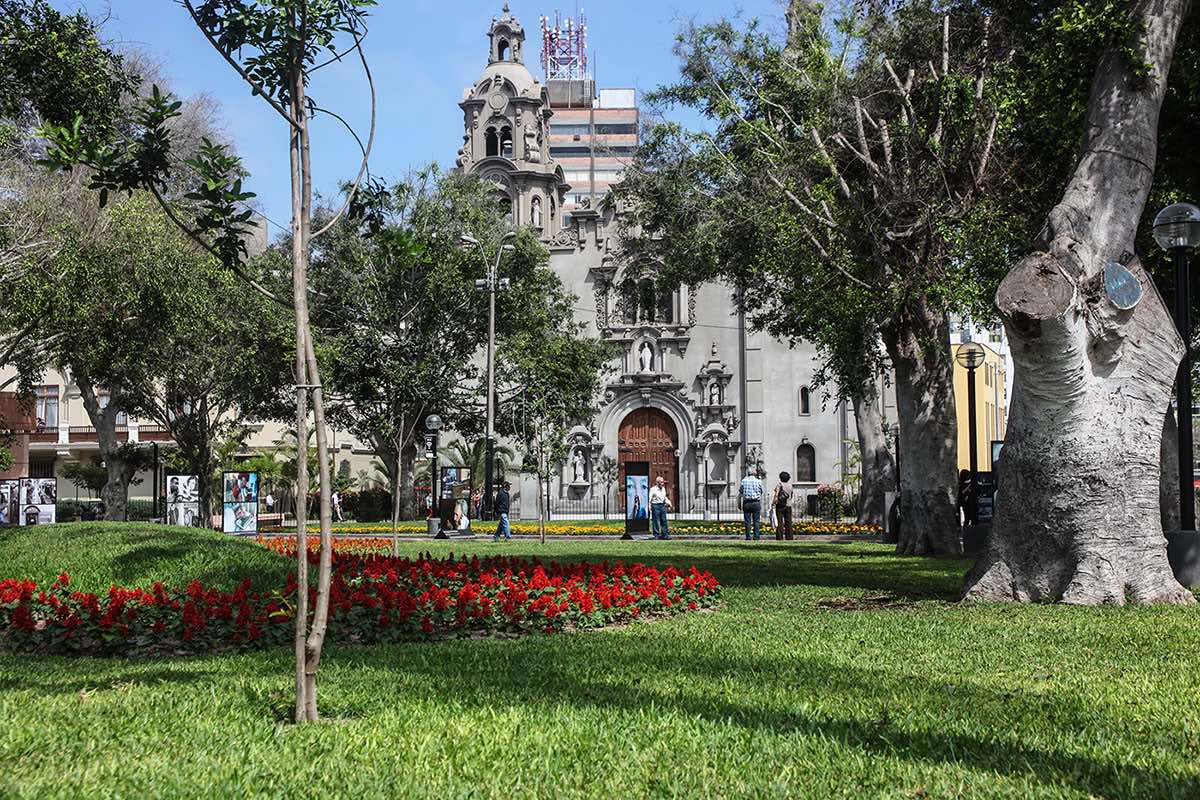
x: 616, y: 528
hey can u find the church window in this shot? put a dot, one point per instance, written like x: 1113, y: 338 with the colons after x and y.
x: 646, y: 301
x: 493, y: 142
x: 506, y: 207
x: 665, y: 307
x: 506, y: 142
x: 806, y: 463
x: 805, y: 401
x: 502, y: 49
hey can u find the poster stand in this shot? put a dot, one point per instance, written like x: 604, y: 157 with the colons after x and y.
x: 637, y: 498
x: 240, y: 496
x: 37, y: 501
x: 183, y: 500
x: 10, y: 502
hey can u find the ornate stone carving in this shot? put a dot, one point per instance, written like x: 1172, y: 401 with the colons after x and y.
x: 533, y: 152
x: 464, y: 154
x: 567, y: 237
x: 601, y: 294
x: 692, y: 310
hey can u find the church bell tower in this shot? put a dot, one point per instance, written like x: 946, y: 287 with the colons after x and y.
x: 506, y: 118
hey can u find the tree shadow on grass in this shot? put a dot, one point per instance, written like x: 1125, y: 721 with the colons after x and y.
x: 101, y: 679
x: 518, y: 673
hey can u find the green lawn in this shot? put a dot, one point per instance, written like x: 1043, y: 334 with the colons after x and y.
x: 831, y: 671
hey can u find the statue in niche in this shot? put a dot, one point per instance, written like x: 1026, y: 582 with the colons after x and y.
x: 714, y: 394
x: 646, y: 358
x: 578, y: 467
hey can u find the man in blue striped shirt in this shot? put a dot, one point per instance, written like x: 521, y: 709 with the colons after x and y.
x: 751, y: 493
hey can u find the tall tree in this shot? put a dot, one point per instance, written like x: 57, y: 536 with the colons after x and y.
x: 1078, y: 518
x: 404, y: 324
x: 845, y: 174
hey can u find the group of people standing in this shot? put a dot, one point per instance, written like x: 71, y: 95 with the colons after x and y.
x: 750, y: 495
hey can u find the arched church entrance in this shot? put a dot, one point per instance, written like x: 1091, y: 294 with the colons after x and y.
x: 648, y: 434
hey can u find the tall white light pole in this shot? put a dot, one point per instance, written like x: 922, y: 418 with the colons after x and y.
x: 491, y: 284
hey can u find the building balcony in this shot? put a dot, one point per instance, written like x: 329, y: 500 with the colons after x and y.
x: 66, y: 435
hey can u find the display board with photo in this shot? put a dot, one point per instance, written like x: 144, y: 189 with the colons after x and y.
x: 637, y: 496
x: 183, y: 500
x: 38, y: 501
x: 10, y: 502
x: 456, y: 482
x: 240, y: 497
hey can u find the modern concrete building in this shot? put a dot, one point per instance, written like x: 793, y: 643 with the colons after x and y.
x: 695, y: 393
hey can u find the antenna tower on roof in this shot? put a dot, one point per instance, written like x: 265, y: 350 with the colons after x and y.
x: 564, y: 48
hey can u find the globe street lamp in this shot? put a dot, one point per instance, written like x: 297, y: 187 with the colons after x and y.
x: 971, y: 356
x: 1177, y: 231
x: 491, y: 284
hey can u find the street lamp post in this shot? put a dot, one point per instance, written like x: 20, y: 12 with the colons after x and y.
x: 491, y: 284
x: 971, y: 356
x: 433, y: 423
x: 1177, y: 231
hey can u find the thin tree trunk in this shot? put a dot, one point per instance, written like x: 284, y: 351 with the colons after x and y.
x: 396, y: 489
x: 316, y: 634
x: 877, y: 464
x: 408, y: 508
x: 1079, y: 516
x: 299, y: 298
x: 918, y: 345
x: 118, y: 470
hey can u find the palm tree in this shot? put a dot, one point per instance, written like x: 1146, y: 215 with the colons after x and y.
x: 474, y: 457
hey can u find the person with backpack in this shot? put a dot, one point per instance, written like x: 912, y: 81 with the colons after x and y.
x: 781, y: 505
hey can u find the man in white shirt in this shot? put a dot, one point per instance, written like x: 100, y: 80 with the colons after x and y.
x: 659, y: 505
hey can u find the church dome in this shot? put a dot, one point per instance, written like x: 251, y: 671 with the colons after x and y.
x: 515, y: 73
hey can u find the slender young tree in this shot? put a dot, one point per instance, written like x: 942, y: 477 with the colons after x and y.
x: 1078, y: 517
x: 277, y: 48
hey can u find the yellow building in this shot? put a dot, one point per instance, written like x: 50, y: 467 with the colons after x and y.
x: 990, y: 414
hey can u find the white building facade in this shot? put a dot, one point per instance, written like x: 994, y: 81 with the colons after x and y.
x: 694, y: 393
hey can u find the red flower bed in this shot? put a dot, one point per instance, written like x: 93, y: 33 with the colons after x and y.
x: 372, y: 599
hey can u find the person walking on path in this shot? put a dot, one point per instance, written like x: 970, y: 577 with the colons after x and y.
x: 503, y: 503
x: 336, y: 500
x: 781, y: 502
x: 659, y: 505
x: 751, y: 493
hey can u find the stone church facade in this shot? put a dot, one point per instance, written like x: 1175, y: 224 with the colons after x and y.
x: 694, y: 392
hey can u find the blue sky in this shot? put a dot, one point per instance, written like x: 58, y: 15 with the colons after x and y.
x: 422, y: 53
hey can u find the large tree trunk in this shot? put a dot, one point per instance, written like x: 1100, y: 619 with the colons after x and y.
x: 1078, y: 518
x: 918, y: 345
x: 1168, y: 481
x: 120, y: 469
x: 877, y: 464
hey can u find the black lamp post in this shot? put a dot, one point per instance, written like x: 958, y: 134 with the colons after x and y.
x: 491, y: 284
x: 1177, y: 231
x: 971, y: 356
x: 433, y: 423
